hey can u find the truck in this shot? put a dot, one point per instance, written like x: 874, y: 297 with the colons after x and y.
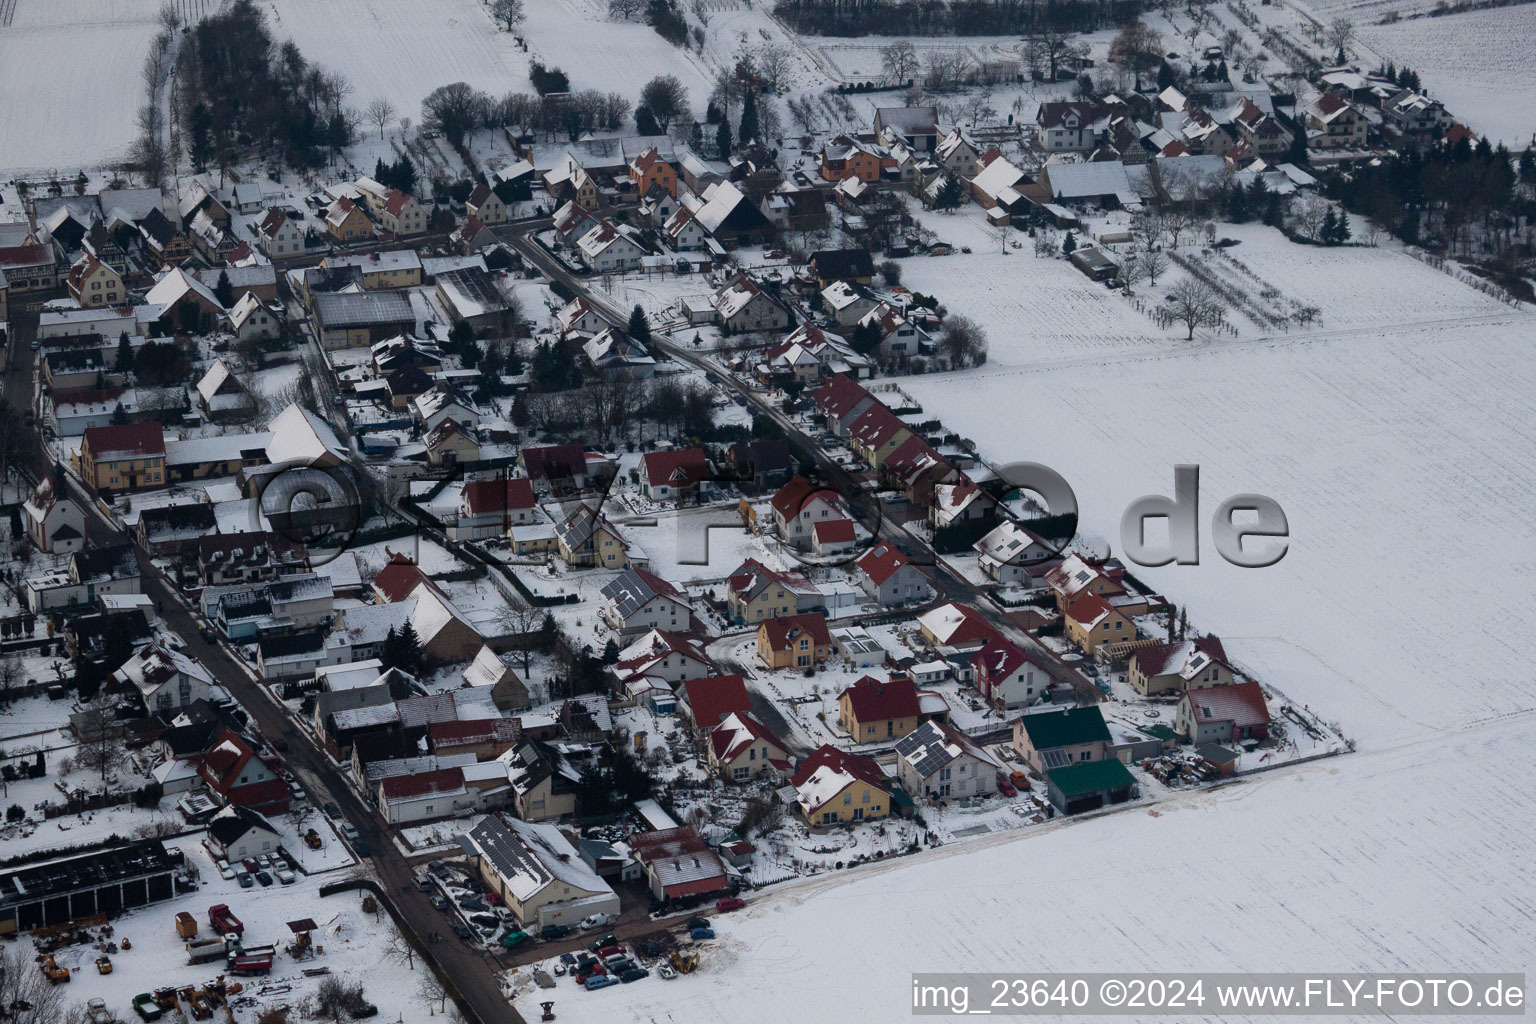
x: 251, y: 963
x: 224, y: 920
x: 202, y: 951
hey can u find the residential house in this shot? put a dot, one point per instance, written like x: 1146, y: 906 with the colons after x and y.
x: 484, y: 204
x: 835, y: 786
x: 662, y: 654
x: 93, y: 284
x: 490, y: 508
x: 395, y: 268
x: 240, y: 833
x: 610, y: 248
x: 639, y: 600
x: 185, y: 302
x: 1179, y: 667
x: 442, y: 404
x: 1054, y: 739
x: 855, y: 266
x: 755, y: 592
x: 1223, y: 714
x: 740, y: 748
x: 648, y: 170
x: 346, y: 222
x: 171, y: 530
x: 394, y: 211
x: 222, y: 395
x: 164, y: 243
x: 939, y: 762
x: 614, y: 355
x: 1070, y: 125
x: 846, y: 158
x: 561, y: 468
x: 958, y: 154
x: 848, y: 303
x: 122, y: 457
x: 165, y: 678
x: 743, y: 308
x: 955, y: 625
x: 470, y: 296
x: 570, y: 181
x: 1006, y: 677
x: 536, y: 872
x: 586, y: 539
x: 888, y: 576
x: 28, y: 265
x: 251, y: 319
x: 579, y: 317
x: 543, y: 781
x: 508, y: 691
x: 55, y: 524
x: 794, y: 641
x: 872, y: 711
x: 798, y: 506
x: 682, y: 230
x: 673, y: 475
x: 571, y: 222
x: 709, y: 701
x: 1008, y: 551
x: 732, y: 219
x: 232, y: 771
x: 915, y: 127
x: 760, y: 464
x: 278, y: 236
x: 899, y: 336
x: 1332, y: 122
x: 231, y: 559
x: 1091, y: 622
x: 840, y: 402
x: 360, y: 319
x: 877, y: 434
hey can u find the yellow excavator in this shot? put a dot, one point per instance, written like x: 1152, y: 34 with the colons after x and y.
x: 684, y: 963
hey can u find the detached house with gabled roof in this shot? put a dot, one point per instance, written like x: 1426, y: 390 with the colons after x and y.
x: 835, y: 787
x: 278, y: 237
x: 742, y: 748
x: 1070, y: 125
x: 840, y: 402
x: 877, y: 434
x: 794, y: 641
x: 485, y: 204
x: 1091, y: 622
x: 888, y: 576
x: 872, y: 710
x: 799, y: 507
x: 55, y: 524
x: 640, y: 600
x: 1007, y: 552
x: 166, y: 679
x: 1054, y: 739
x: 346, y: 222
x: 122, y: 457
x: 673, y: 475
x: 610, y: 248
x: 648, y: 170
x: 1007, y: 677
x: 662, y: 654
x: 586, y: 539
x: 743, y: 307
x: 708, y: 701
x: 1223, y: 714
x: 756, y: 592
x: 491, y: 508
x: 939, y: 762
x: 1332, y: 122
x: 93, y: 284
x: 1179, y: 667
x: 396, y: 212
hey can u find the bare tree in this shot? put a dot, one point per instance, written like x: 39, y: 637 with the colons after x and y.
x: 433, y: 991
x: 899, y: 61
x: 945, y: 68
x: 508, y: 13
x: 380, y: 112
x: 101, y: 739
x: 1137, y: 48
x: 1194, y: 304
x: 28, y: 996
x: 1153, y: 262
x: 1045, y: 51
x: 667, y: 100
x: 1310, y: 214
x: 625, y: 9
x: 774, y: 63
x: 963, y: 343
x: 10, y: 672
x: 399, y: 950
x: 1339, y: 33
x: 524, y: 621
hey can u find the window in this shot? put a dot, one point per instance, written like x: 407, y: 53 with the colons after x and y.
x: 1086, y: 755
x: 865, y: 798
x: 847, y: 798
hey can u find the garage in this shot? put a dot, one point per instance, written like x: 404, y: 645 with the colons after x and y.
x: 1087, y: 786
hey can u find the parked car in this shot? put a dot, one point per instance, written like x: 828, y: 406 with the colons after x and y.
x: 285, y: 876
x: 554, y: 931
x: 558, y: 970
x: 1005, y: 787
x: 666, y: 971
x: 1020, y: 781
x: 362, y: 847
x: 607, y: 951
x: 634, y: 974
x: 245, y: 879
x: 332, y: 811
x: 440, y: 902
x: 423, y: 883
x: 463, y: 931
x: 598, y: 981
x: 485, y: 920
x: 700, y: 934
x: 569, y: 959
x: 439, y: 869
x: 596, y: 921
x: 472, y: 903
x: 264, y: 878
x: 512, y: 940
x: 588, y: 971
x: 250, y: 865
x: 227, y: 873
x: 697, y: 922
x: 619, y: 964
x: 264, y: 860
x: 729, y: 903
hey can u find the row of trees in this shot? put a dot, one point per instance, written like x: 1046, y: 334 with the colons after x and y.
x: 459, y: 108
x: 957, y: 17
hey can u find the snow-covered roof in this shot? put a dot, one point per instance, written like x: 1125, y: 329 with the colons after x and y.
x: 299, y: 435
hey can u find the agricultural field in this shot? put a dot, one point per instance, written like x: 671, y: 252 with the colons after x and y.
x: 54, y: 57
x: 1477, y: 63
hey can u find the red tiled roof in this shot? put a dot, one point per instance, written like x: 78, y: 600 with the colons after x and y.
x: 874, y: 701
x: 728, y: 742
x: 712, y: 698
x: 1088, y: 609
x: 999, y: 658
x: 1156, y: 659
x: 481, y: 193
x: 838, y: 396
x: 881, y: 562
x: 397, y: 579
x: 876, y: 426
x: 792, y: 497
x: 681, y: 468
x: 857, y: 765
x: 137, y: 439
x: 1242, y: 704
x: 554, y: 459
x: 273, y: 222
x: 443, y: 780
x: 511, y: 494
x: 784, y: 631
x: 396, y: 201
x: 834, y: 531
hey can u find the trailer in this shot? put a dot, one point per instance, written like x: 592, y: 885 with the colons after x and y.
x: 224, y: 920
x: 186, y: 925
x: 202, y: 951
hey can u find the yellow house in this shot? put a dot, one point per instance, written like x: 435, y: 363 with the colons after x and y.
x: 1180, y: 667
x: 877, y: 434
x: 834, y: 787
x: 871, y: 710
x: 756, y: 592
x: 742, y: 748
x: 93, y: 284
x: 122, y: 457
x: 487, y: 205
x: 399, y: 268
x: 345, y: 221
x: 1092, y: 622
x: 794, y: 641
x: 587, y: 540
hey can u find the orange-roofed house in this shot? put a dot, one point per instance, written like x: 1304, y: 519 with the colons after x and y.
x: 794, y: 641
x: 1223, y: 714
x: 834, y: 787
x: 889, y: 576
x: 742, y: 748
x: 674, y: 475
x: 709, y: 701
x: 93, y: 284
x: 1092, y: 622
x: 799, y: 506
x: 648, y: 170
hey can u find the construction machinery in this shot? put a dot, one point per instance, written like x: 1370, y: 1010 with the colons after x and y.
x: 224, y: 920
x: 52, y: 971
x: 103, y: 965
x: 684, y: 963
x: 312, y: 839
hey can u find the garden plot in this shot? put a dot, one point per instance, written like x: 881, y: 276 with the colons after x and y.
x: 54, y: 56
x: 1477, y: 63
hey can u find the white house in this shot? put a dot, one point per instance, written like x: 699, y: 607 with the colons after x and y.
x: 165, y: 678
x: 639, y: 600
x: 611, y: 248
x: 251, y: 320
x: 939, y: 762
x: 743, y: 307
x: 238, y: 833
x: 55, y: 523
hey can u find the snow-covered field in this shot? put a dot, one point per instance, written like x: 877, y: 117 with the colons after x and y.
x: 1397, y: 613
x: 1477, y: 63
x: 54, y: 58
